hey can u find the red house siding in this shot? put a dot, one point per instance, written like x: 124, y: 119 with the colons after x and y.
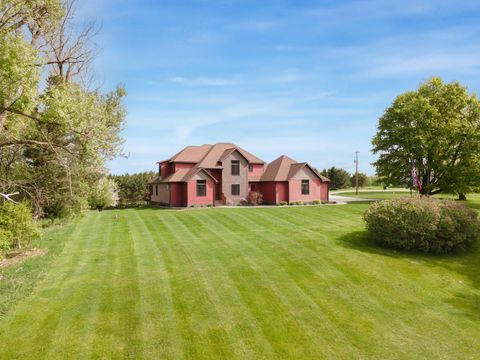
x: 217, y: 174
x: 282, y: 191
x: 295, y: 190
x: 193, y: 199
x: 257, y: 170
x: 269, y: 191
x: 178, y: 194
x: 179, y: 166
x: 164, y: 169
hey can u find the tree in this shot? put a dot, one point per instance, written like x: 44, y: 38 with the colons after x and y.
x: 55, y: 137
x: 103, y: 194
x: 339, y: 178
x: 362, y: 180
x: 437, y: 130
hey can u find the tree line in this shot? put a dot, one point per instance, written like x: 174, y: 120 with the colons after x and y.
x: 342, y: 179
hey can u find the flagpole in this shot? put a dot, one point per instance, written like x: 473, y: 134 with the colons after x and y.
x: 411, y: 177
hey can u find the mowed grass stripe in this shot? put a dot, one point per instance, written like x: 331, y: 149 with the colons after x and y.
x: 284, y: 296
x: 52, y: 298
x: 115, y: 335
x: 210, y: 326
x: 246, y: 270
x: 366, y: 274
x: 159, y: 324
x: 83, y: 313
x: 289, y: 256
x: 248, y: 339
x: 362, y: 289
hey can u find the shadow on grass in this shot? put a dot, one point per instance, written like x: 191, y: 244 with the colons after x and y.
x: 467, y: 301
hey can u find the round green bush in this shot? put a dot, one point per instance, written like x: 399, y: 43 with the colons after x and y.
x: 422, y: 224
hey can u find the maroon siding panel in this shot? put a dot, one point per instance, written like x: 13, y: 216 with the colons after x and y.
x: 178, y: 195
x: 269, y: 193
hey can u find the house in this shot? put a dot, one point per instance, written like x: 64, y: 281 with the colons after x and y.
x: 225, y: 174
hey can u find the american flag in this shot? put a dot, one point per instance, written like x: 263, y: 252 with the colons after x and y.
x: 417, y: 182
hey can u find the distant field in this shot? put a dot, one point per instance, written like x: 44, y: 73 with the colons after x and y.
x: 473, y: 199
x: 383, y: 194
x: 273, y: 283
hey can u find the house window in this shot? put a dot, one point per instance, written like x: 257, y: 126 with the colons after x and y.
x: 201, y: 187
x: 250, y: 168
x: 305, y: 187
x: 235, y: 189
x: 235, y: 167
x: 156, y: 190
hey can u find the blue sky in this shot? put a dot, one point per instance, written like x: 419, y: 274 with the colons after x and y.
x: 304, y: 78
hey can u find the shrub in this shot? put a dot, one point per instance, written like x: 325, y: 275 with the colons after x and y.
x: 422, y: 224
x: 255, y: 198
x: 283, y: 203
x: 316, y: 202
x: 17, y: 227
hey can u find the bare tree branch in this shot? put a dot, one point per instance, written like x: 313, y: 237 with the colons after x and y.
x: 8, y: 196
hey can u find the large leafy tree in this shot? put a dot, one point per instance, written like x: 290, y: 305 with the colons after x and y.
x: 55, y: 132
x: 437, y: 130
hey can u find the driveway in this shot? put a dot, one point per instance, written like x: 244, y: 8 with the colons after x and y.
x: 346, y: 199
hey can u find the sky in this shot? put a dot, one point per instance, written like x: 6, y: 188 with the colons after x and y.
x: 308, y: 79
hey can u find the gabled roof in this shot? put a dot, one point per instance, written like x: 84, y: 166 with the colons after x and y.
x: 278, y: 169
x: 285, y: 168
x: 182, y: 175
x: 191, y: 154
x: 230, y: 151
x: 220, y: 151
x: 207, y: 156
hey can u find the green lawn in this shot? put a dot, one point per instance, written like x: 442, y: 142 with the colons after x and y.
x: 299, y: 283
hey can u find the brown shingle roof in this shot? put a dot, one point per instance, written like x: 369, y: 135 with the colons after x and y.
x: 284, y: 168
x: 208, y: 156
x: 220, y: 150
x: 191, y: 154
x: 278, y: 169
x: 182, y: 175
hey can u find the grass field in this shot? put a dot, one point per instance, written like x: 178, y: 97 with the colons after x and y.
x: 298, y: 283
x: 473, y: 199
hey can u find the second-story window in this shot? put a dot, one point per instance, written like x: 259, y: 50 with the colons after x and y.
x: 250, y: 168
x: 235, y: 167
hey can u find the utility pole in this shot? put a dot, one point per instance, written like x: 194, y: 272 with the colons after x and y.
x: 356, y: 172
